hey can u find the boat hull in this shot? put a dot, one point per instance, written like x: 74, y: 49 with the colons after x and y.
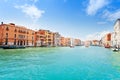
x: 13, y: 47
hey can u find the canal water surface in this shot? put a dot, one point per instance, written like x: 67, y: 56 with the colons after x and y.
x: 64, y: 63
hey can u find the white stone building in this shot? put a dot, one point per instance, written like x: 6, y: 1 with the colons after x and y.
x: 116, y: 34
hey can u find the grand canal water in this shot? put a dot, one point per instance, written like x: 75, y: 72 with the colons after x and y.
x: 79, y: 63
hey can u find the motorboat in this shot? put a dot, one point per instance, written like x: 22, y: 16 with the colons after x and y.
x: 115, y: 49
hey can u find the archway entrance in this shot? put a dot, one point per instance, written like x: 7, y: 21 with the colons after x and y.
x: 21, y: 43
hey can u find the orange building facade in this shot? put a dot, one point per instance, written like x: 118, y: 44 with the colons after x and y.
x: 65, y: 41
x: 44, y: 38
x: 11, y: 34
x: 106, y: 40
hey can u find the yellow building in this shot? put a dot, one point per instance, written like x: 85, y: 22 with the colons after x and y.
x: 44, y: 38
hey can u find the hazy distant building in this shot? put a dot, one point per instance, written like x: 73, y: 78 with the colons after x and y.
x: 57, y: 39
x: 106, y: 40
x: 77, y: 42
x: 95, y: 42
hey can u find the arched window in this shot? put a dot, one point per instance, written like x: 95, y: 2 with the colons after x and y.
x: 15, y: 42
x: 15, y: 30
x: 6, y: 35
x: 15, y: 35
x: 6, y: 41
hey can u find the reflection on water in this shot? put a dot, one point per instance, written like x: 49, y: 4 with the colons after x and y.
x: 79, y: 63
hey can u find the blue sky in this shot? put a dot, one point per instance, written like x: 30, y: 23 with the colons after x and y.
x: 71, y: 18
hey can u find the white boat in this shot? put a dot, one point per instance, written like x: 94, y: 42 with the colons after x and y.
x: 115, y: 49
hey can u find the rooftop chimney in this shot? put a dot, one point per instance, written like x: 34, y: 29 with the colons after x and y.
x: 1, y: 23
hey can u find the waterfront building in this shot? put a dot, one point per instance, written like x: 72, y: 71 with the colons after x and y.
x: 68, y: 41
x: 45, y: 37
x: 116, y: 34
x: 77, y: 42
x: 95, y: 42
x: 49, y: 38
x: 11, y: 34
x: 57, y: 37
x: 87, y: 43
x: 82, y: 43
x: 113, y: 42
x: 65, y: 41
x: 102, y: 41
x: 106, y: 40
x: 39, y: 39
x: 41, y: 36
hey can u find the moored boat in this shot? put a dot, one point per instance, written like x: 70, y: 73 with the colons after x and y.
x: 115, y: 49
x: 13, y: 47
x: 107, y: 46
x: 71, y: 46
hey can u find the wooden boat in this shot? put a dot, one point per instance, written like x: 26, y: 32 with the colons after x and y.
x: 13, y: 47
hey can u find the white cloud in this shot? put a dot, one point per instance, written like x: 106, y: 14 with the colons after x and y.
x: 96, y: 36
x: 95, y: 5
x: 111, y: 16
x: 101, y: 23
x: 31, y: 11
x: 35, y: 1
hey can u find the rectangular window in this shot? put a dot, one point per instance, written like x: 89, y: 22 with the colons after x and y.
x: 6, y: 35
x: 15, y: 35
